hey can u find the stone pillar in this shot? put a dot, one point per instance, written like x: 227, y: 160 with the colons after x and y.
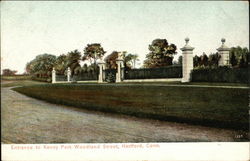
x: 68, y: 74
x: 101, y: 77
x: 53, y: 76
x: 187, y: 62
x: 223, y: 52
x: 120, y: 65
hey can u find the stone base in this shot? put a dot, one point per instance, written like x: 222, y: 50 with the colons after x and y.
x: 184, y: 80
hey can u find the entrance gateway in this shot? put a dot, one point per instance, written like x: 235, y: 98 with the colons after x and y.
x: 119, y: 75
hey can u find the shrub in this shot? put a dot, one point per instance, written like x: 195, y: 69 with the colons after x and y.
x: 220, y: 74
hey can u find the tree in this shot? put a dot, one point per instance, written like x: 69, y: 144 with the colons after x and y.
x: 129, y: 60
x: 233, y: 60
x: 204, y: 59
x: 197, y: 61
x: 8, y: 72
x: 61, y: 64
x: 161, y: 54
x: 73, y: 61
x: 42, y: 65
x: 242, y: 63
x: 180, y: 60
x: 238, y: 53
x: 92, y: 52
x: 213, y: 59
x: 111, y: 60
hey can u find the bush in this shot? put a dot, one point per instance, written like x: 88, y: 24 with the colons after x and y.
x: 174, y: 71
x: 220, y: 74
x: 41, y: 79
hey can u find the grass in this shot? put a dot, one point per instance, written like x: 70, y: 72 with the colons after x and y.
x: 16, y: 77
x: 192, y: 83
x: 20, y: 83
x: 218, y: 107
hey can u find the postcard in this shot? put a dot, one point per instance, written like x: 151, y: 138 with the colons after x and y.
x: 124, y: 80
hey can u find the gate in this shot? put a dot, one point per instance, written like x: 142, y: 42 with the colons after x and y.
x: 110, y: 75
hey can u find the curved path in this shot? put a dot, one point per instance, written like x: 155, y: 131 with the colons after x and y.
x: 27, y: 120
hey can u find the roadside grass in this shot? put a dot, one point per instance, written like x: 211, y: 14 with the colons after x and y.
x: 16, y: 77
x: 20, y: 83
x: 191, y: 83
x: 217, y: 107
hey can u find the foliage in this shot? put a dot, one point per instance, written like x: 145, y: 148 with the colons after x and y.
x: 9, y: 72
x: 220, y: 74
x: 179, y: 60
x: 129, y: 60
x: 111, y: 60
x: 220, y: 107
x: 213, y: 59
x: 41, y: 66
x: 204, y: 60
x: 160, y: 55
x: 61, y: 64
x: 233, y: 60
x: 174, y: 71
x: 239, y: 56
x: 73, y: 61
x: 92, y: 52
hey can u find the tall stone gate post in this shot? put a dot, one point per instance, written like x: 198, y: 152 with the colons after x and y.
x: 53, y: 76
x: 120, y: 65
x: 223, y: 52
x: 187, y: 61
x: 101, y: 77
x: 68, y: 74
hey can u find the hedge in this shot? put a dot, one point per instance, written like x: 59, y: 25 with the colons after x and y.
x: 220, y: 74
x: 173, y: 71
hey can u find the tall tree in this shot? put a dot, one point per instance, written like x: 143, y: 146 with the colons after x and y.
x: 61, y: 64
x: 111, y: 60
x: 213, y: 59
x: 204, y: 59
x: 238, y: 53
x: 180, y: 60
x: 233, y: 60
x: 92, y: 52
x: 197, y: 61
x: 161, y: 54
x: 73, y: 60
x: 130, y: 60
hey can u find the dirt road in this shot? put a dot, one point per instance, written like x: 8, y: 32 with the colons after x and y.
x: 27, y: 120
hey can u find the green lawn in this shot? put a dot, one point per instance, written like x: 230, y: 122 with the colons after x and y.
x: 219, y: 107
x: 20, y: 83
x: 16, y: 77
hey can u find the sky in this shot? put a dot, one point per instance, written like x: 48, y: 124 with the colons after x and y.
x: 57, y: 27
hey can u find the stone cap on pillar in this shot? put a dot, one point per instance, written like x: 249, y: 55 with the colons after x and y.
x: 223, y: 47
x: 187, y: 47
x: 120, y: 56
x: 101, y: 61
